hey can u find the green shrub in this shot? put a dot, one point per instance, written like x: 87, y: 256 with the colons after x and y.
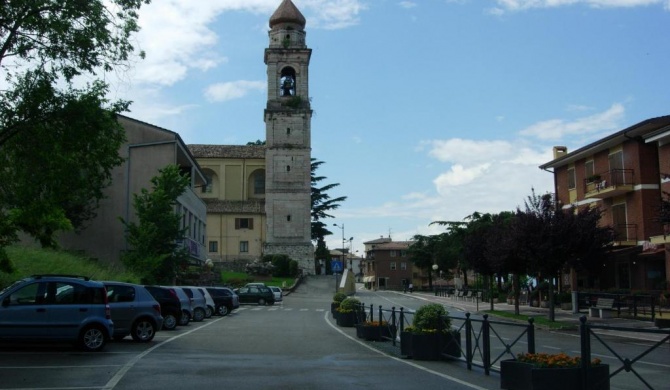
x: 349, y: 304
x: 428, y: 317
x: 339, y: 297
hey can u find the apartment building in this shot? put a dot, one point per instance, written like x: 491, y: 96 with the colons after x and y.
x: 624, y: 174
x: 147, y: 150
x: 387, y: 265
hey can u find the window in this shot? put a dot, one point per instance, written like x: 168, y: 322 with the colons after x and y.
x: 244, y: 223
x: 259, y: 183
x: 588, y: 171
x: 244, y: 246
x: 207, y: 188
x: 403, y: 253
x: 571, y: 178
x: 403, y: 265
x: 394, y: 253
x: 393, y: 266
x: 214, y: 246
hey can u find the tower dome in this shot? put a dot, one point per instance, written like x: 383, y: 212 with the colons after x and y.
x: 288, y: 14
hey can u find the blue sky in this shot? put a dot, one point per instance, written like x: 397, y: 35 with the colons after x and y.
x: 424, y: 110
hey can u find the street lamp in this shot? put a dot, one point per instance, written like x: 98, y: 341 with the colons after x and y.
x: 342, y: 228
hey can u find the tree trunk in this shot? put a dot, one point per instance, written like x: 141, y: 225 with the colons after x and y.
x: 516, y: 281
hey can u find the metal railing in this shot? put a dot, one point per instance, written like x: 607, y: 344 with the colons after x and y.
x: 485, y: 346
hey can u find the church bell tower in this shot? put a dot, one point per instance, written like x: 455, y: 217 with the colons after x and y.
x: 288, y: 117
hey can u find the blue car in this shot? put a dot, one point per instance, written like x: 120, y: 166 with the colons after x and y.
x: 57, y: 308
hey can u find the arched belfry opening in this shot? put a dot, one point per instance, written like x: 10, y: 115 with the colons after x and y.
x: 287, y: 82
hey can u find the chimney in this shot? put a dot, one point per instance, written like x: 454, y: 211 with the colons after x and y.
x: 560, y: 151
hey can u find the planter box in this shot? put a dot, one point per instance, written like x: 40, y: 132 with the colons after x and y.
x: 406, y: 344
x: 566, y: 306
x: 347, y: 320
x: 333, y: 309
x: 374, y: 333
x: 515, y: 375
x: 432, y: 346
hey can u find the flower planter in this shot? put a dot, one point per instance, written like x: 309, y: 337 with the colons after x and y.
x: 347, y: 320
x: 515, y: 375
x: 333, y: 309
x: 432, y: 346
x: 566, y: 306
x: 406, y: 344
x: 374, y: 332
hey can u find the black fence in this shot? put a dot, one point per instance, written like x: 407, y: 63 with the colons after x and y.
x: 485, y: 343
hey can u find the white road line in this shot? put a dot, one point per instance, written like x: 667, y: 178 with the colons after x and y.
x: 126, y: 367
x: 445, y: 376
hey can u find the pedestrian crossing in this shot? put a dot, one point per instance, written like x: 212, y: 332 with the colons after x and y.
x: 276, y: 308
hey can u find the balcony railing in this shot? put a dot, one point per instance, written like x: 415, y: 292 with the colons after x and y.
x: 608, y: 184
x: 625, y: 234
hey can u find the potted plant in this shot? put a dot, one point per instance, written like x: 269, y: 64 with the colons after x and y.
x: 348, y: 312
x: 375, y: 330
x: 432, y: 335
x: 552, y: 372
x: 337, y: 299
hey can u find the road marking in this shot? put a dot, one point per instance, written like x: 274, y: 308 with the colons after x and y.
x: 111, y: 384
x: 445, y: 376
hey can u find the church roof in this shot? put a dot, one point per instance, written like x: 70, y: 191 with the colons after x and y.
x: 227, y: 151
x: 287, y: 12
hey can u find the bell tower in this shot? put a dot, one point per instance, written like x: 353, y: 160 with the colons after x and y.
x: 288, y: 117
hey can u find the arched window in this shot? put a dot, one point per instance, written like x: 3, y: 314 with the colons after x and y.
x: 287, y: 82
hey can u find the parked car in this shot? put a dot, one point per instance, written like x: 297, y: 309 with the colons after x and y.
x: 225, y: 299
x: 279, y: 294
x: 198, y: 303
x: 57, y: 308
x: 256, y: 294
x: 211, y: 306
x: 170, y: 305
x: 186, y: 306
x: 135, y: 311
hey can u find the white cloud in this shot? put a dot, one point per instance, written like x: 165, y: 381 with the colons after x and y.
x: 520, y: 5
x: 232, y: 90
x: 407, y: 4
x: 556, y: 129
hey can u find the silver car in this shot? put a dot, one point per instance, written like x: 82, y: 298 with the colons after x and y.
x: 135, y: 312
x: 186, y: 306
x: 279, y: 294
x: 198, y: 302
x: 211, y: 306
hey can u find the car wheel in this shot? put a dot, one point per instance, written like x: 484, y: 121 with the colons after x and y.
x: 185, y: 318
x: 198, y: 314
x: 169, y: 321
x: 208, y: 312
x: 143, y: 330
x: 261, y: 302
x: 223, y: 310
x: 92, y: 338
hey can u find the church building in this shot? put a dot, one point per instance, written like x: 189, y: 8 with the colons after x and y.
x: 258, y: 197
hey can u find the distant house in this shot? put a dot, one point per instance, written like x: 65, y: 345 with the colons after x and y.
x: 387, y: 266
x: 624, y: 174
x: 147, y: 150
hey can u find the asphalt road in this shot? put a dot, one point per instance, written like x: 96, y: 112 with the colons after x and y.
x: 293, y: 345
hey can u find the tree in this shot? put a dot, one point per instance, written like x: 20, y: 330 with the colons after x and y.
x: 424, y: 252
x: 154, y: 252
x: 554, y: 237
x: 58, y: 143
x: 322, y: 204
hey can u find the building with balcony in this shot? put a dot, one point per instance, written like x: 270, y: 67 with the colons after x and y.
x: 623, y: 174
x: 147, y: 150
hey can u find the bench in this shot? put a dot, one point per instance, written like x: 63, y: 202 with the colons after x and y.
x: 603, y: 308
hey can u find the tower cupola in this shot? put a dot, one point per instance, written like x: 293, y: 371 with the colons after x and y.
x: 287, y: 16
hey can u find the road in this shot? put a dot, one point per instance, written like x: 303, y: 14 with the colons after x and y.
x: 293, y: 345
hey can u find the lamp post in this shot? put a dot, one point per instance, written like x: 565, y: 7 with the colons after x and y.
x: 435, y: 268
x: 344, y: 263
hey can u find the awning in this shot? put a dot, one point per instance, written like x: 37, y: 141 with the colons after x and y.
x: 368, y: 279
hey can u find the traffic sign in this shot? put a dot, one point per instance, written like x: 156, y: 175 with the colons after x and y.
x: 336, y: 266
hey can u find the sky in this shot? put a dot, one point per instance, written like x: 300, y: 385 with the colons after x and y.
x: 424, y: 110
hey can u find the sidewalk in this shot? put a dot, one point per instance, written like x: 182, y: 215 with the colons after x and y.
x: 563, y: 316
